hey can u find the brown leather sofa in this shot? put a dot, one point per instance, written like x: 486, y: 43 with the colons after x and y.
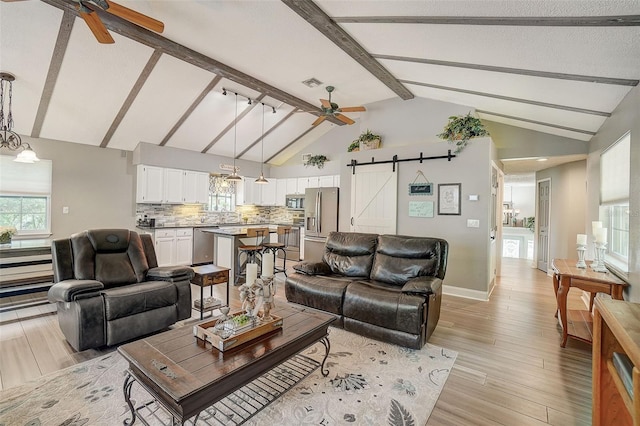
x: 387, y: 287
x: 109, y: 289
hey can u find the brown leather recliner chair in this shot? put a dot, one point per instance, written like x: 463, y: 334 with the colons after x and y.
x: 109, y: 289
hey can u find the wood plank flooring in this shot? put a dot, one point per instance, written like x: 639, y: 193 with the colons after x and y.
x: 510, y: 369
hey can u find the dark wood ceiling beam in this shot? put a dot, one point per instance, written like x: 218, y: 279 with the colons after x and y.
x: 169, y: 47
x: 542, y: 123
x: 191, y: 108
x: 60, y: 48
x: 315, y: 16
x: 518, y: 71
x: 267, y: 133
x: 511, y: 99
x: 142, y: 78
x: 232, y: 124
x: 544, y: 21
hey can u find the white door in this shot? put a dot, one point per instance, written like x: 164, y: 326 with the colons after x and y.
x: 542, y: 219
x: 374, y: 199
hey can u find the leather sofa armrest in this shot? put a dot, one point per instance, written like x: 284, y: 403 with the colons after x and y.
x: 312, y: 268
x: 70, y: 290
x: 170, y: 273
x: 423, y: 286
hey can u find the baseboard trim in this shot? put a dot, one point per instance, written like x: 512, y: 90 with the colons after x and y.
x: 465, y: 292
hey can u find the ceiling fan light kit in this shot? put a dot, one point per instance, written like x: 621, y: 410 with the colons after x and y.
x: 8, y: 138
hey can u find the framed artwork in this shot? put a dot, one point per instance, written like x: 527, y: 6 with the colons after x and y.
x: 420, y: 208
x: 449, y: 201
x: 420, y: 189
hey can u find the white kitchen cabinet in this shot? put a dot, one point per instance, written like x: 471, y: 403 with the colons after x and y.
x: 150, y: 184
x: 195, y: 187
x: 249, y: 193
x: 303, y: 184
x: 281, y: 192
x: 173, y: 246
x: 173, y: 182
x: 336, y: 180
x: 325, y: 181
x: 268, y: 193
x: 183, y: 246
x: 314, y: 182
x: 292, y: 186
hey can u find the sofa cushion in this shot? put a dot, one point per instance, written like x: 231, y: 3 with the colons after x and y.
x: 319, y: 292
x: 399, y: 258
x: 384, y: 305
x: 133, y: 299
x: 350, y: 253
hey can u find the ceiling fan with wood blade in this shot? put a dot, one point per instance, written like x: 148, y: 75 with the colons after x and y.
x: 88, y: 11
x: 332, y: 109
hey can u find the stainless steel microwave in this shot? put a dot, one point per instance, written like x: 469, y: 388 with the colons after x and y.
x: 295, y: 201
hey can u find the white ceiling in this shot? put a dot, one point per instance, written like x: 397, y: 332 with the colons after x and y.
x: 270, y: 42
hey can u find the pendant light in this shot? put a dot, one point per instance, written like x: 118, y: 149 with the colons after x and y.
x: 234, y: 176
x: 9, y: 138
x: 261, y: 180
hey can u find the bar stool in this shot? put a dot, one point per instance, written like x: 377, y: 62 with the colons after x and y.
x: 250, y: 251
x: 274, y: 247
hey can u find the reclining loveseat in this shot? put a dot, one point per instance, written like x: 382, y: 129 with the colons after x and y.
x: 109, y: 289
x: 387, y: 287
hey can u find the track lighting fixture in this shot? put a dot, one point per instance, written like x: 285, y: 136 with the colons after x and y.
x: 249, y: 101
x: 224, y: 91
x: 274, y: 109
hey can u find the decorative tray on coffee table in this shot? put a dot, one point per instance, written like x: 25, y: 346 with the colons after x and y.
x: 245, y: 329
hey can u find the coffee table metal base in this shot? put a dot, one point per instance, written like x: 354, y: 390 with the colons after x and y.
x: 237, y: 407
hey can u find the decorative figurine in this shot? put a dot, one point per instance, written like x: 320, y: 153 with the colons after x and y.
x: 268, y: 292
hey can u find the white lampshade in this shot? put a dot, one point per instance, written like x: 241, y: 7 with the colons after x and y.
x: 27, y: 156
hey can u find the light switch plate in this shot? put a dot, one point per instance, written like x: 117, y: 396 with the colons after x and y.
x: 473, y: 197
x: 473, y: 223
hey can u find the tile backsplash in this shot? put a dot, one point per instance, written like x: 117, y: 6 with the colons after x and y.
x: 195, y: 214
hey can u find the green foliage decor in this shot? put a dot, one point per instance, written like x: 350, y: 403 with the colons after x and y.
x: 316, y: 160
x: 461, y: 128
x: 530, y: 223
x: 366, y: 136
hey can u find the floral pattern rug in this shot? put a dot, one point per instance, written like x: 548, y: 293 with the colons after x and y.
x: 369, y: 383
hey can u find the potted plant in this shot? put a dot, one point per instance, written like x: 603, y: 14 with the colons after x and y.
x: 355, y: 146
x: 6, y: 232
x: 316, y: 160
x: 368, y: 140
x: 461, y: 128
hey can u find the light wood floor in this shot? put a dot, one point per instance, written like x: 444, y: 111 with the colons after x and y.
x: 510, y: 368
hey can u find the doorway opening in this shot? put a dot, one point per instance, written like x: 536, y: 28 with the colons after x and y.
x: 518, y: 216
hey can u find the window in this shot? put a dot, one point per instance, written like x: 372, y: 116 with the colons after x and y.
x: 25, y: 196
x: 614, y: 201
x: 222, y: 194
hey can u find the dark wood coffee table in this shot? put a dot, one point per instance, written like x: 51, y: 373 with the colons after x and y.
x: 186, y: 376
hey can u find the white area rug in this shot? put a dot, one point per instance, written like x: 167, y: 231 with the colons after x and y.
x: 369, y: 383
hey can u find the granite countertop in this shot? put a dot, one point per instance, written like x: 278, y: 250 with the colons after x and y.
x: 219, y: 225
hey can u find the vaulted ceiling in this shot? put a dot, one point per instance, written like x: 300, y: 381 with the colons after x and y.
x: 559, y: 67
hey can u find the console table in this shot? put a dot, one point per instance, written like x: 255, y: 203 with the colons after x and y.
x: 616, y: 329
x: 579, y: 323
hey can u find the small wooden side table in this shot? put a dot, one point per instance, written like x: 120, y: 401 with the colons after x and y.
x: 565, y: 276
x: 208, y: 276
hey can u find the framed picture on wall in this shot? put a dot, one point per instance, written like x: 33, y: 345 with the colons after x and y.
x: 449, y: 201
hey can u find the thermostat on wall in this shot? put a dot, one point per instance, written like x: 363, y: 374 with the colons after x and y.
x: 473, y: 197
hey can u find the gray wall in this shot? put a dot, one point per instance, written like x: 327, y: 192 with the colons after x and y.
x: 626, y: 117
x: 97, y: 184
x: 567, y: 207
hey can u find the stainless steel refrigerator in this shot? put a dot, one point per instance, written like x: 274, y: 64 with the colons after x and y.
x: 321, y: 218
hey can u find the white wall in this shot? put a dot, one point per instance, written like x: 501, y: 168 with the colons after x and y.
x: 523, y: 198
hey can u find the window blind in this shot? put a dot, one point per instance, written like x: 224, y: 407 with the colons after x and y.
x: 25, y: 178
x: 615, y: 172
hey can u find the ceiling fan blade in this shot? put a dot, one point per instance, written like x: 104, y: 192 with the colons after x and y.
x: 344, y: 119
x: 325, y: 103
x: 96, y: 26
x: 319, y: 120
x: 353, y: 109
x: 135, y: 17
